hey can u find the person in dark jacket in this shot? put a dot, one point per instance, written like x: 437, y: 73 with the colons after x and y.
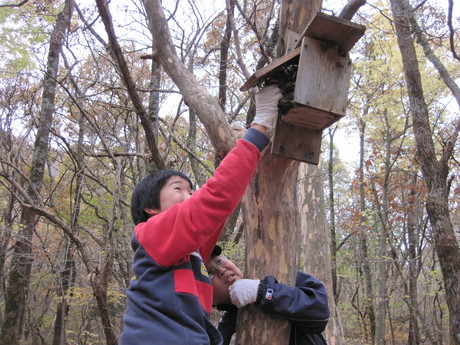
x: 304, y: 305
x: 170, y: 298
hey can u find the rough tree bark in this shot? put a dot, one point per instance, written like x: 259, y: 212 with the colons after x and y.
x: 413, y: 337
x: 271, y: 231
x: 435, y: 172
x: 21, y: 264
x: 314, y: 227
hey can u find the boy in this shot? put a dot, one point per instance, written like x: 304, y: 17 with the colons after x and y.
x: 170, y: 298
x: 304, y: 305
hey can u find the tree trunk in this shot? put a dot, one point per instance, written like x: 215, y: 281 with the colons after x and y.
x: 383, y: 238
x: 68, y: 274
x: 154, y: 109
x: 7, y: 144
x: 5, y: 241
x: 363, y: 253
x: 381, y: 273
x: 100, y: 283
x: 67, y: 280
x: 271, y: 219
x: 414, y: 331
x: 314, y: 249
x: 333, y: 245
x: 270, y: 209
x: 435, y: 173
x: 224, y: 47
x: 21, y: 264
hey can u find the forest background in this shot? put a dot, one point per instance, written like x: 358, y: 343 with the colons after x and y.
x: 86, y: 112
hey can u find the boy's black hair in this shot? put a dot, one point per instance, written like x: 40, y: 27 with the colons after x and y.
x: 216, y: 251
x: 146, y: 194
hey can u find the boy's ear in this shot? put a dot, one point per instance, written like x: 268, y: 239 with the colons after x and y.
x: 151, y: 211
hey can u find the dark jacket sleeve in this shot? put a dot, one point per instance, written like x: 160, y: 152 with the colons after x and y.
x: 227, y: 324
x: 305, y: 305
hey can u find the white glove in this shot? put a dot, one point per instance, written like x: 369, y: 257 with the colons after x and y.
x: 244, y: 292
x: 267, y: 105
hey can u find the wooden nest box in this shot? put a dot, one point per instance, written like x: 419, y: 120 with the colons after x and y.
x: 314, y: 77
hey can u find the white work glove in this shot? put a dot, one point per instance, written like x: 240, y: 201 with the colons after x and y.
x: 267, y: 105
x: 244, y: 292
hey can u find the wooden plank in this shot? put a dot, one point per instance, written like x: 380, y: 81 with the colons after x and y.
x: 323, y: 77
x: 298, y: 143
x: 260, y: 74
x: 310, y: 117
x: 295, y: 15
x: 334, y: 30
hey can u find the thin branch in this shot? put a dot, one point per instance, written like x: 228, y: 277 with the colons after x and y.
x: 236, y: 39
x: 15, y: 5
x: 451, y: 30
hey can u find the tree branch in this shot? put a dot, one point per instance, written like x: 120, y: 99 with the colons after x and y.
x: 15, y: 5
x: 195, y: 95
x: 118, y: 56
x: 351, y: 8
x: 451, y: 30
x: 443, y: 73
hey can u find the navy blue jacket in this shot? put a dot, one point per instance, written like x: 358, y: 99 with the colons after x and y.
x: 304, y: 305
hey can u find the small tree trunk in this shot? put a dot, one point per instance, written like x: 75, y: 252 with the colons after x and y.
x: 314, y: 243
x: 333, y: 245
x: 414, y: 332
x: 100, y: 282
x: 384, y: 236
x: 364, y: 255
x: 380, y: 324
x: 67, y: 280
x: 224, y: 47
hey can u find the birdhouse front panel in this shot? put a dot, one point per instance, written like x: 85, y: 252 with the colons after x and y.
x: 321, y: 88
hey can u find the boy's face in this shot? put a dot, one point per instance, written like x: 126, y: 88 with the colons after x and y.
x: 175, y: 191
x: 224, y: 276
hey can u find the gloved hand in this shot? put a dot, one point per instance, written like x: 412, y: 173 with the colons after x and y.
x: 244, y: 292
x: 267, y: 105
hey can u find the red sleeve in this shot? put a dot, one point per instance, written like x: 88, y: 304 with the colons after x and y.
x: 196, y: 223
